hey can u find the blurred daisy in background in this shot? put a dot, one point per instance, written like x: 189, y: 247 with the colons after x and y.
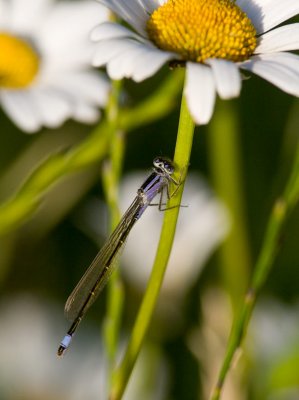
x: 207, y: 342
x: 45, y: 73
x: 273, y: 341
x: 214, y: 39
x: 269, y: 358
x: 201, y: 228
x: 30, y: 368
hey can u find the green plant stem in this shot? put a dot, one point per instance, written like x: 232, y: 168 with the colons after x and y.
x: 111, y: 174
x: 181, y: 160
x: 92, y: 150
x: 281, y: 209
x: 226, y: 171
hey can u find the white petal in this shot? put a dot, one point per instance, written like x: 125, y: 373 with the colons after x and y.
x: 53, y: 107
x: 56, y: 106
x: 111, y: 30
x: 85, y: 113
x: 150, y: 5
x: 200, y: 92
x: 266, y: 14
x: 227, y: 78
x: 149, y: 63
x: 281, y: 39
x: 88, y: 86
x: 68, y: 26
x: 4, y: 15
x: 108, y: 49
x: 281, y: 69
x: 27, y: 16
x: 20, y: 108
x: 68, y: 57
x: 130, y: 11
x: 70, y: 19
x: 138, y: 62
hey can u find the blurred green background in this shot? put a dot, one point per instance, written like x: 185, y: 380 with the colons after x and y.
x: 41, y: 261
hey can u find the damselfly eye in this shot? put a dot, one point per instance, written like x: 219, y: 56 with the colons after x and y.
x: 168, y: 167
x: 164, y: 164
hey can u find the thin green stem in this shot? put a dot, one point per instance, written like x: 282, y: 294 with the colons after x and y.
x: 115, y: 289
x: 111, y: 174
x: 181, y: 160
x: 281, y: 209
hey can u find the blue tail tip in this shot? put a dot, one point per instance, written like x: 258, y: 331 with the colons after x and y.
x: 64, y: 344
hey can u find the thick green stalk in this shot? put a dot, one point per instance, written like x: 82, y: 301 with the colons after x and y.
x: 281, y: 209
x: 181, y: 160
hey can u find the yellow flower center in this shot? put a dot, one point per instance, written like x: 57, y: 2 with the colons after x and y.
x: 19, y: 63
x: 201, y: 29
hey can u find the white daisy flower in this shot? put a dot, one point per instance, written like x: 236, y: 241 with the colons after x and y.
x: 45, y: 76
x: 214, y: 39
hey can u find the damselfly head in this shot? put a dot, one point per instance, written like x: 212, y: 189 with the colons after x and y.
x: 164, y: 164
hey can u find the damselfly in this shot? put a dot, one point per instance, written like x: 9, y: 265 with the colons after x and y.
x: 96, y: 276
